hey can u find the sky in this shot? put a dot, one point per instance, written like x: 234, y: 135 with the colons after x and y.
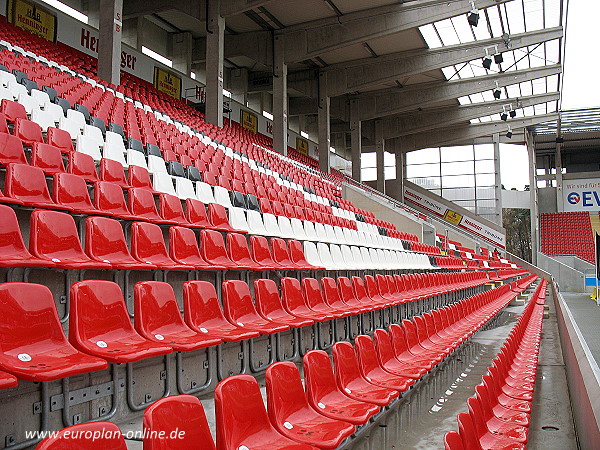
x: 581, y: 75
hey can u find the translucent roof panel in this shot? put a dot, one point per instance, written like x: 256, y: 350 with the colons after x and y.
x: 509, y: 18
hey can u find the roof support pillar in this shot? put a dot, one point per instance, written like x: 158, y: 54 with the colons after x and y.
x: 400, y: 175
x: 280, y: 97
x: 559, y: 175
x: 497, y: 180
x: 533, y: 196
x: 380, y: 156
x: 109, y: 47
x: 182, y: 52
x: 215, y: 39
x: 355, y: 140
x: 324, y: 124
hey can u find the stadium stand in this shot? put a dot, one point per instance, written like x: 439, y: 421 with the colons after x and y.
x: 150, y: 257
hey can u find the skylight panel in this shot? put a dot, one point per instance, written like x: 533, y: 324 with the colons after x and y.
x: 526, y: 89
x: 513, y: 91
x: 448, y: 72
x: 488, y: 96
x: 494, y: 21
x: 447, y: 32
x: 463, y: 29
x: 553, y: 83
x: 534, y: 14
x: 478, y: 70
x: 552, y: 51
x: 431, y: 38
x: 514, y: 11
x: 464, y: 100
x: 552, y: 13
x: 540, y: 109
x: 539, y: 86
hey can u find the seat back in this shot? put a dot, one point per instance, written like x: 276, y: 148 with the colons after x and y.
x: 195, y: 213
x: 139, y: 177
x: 238, y: 250
x: 109, y: 436
x: 105, y: 240
x: 27, y: 184
x: 183, y: 247
x: 156, y: 309
x: 71, y: 191
x: 97, y: 309
x: 280, y: 253
x: 54, y: 236
x: 141, y: 204
x: 148, y: 244
x: 46, y: 157
x: 237, y: 302
x: 452, y: 441
x: 365, y: 350
x: 108, y: 197
x: 319, y: 378
x: 285, y: 393
x: 83, y: 165
x: 11, y: 150
x: 201, y: 305
x: 11, y: 240
x: 61, y: 139
x: 170, y: 209
x: 29, y: 319
x: 111, y: 170
x: 345, y: 363
x: 180, y: 414
x: 242, y: 421
x: 267, y: 297
x: 213, y: 248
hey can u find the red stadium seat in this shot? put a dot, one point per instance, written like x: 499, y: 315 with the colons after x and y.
x: 54, y: 236
x: 105, y: 242
x: 109, y: 199
x: 157, y: 318
x: 83, y: 165
x: 203, y: 313
x: 183, y: 249
x: 113, y: 172
x: 213, y: 249
x: 29, y: 132
x: 60, y: 139
x: 27, y: 185
x: 325, y: 396
x: 239, y: 309
x: 71, y: 192
x: 32, y: 343
x: 242, y: 421
x: 109, y: 436
x: 11, y: 150
x: 291, y: 414
x: 148, y: 246
x: 13, y: 252
x: 268, y: 304
x: 180, y: 414
x: 99, y: 324
x: 47, y: 158
x: 350, y: 380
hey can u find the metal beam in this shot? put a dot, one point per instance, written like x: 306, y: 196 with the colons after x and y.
x: 432, y: 119
x: 453, y: 135
x: 234, y: 7
x: 310, y: 39
x: 351, y: 77
x: 136, y: 8
x: 397, y: 100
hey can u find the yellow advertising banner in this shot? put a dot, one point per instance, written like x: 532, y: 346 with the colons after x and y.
x: 302, y: 146
x: 31, y: 17
x: 249, y: 121
x: 166, y: 82
x: 453, y: 217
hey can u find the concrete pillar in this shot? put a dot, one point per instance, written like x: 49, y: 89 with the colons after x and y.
x: 380, y: 154
x: 238, y: 85
x: 497, y: 181
x: 215, y: 38
x: 181, y: 54
x: 355, y: 140
x: 535, y: 237
x: 109, y: 47
x: 324, y: 125
x: 559, y: 175
x: 92, y: 9
x: 280, y: 97
x: 400, y: 174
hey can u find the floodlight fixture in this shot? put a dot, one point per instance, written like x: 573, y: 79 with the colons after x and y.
x: 509, y: 133
x: 497, y: 91
x: 513, y: 114
x: 504, y: 116
x: 487, y: 62
x: 498, y: 58
x: 473, y: 15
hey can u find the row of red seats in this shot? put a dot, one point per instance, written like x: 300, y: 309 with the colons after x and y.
x: 54, y: 242
x: 499, y: 413
x: 364, y: 378
x: 300, y: 304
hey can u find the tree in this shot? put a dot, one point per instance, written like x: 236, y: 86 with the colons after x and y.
x: 517, y: 223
